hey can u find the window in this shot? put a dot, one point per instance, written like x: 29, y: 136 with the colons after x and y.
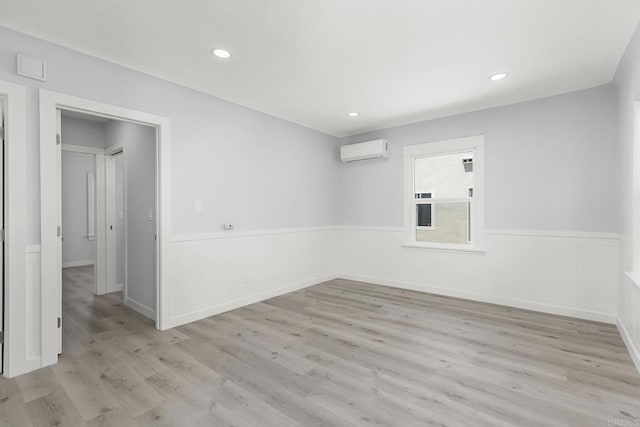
x: 424, y: 213
x: 445, y: 180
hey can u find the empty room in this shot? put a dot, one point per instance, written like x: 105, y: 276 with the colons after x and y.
x: 320, y: 213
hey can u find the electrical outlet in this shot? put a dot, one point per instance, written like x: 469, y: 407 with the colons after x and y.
x: 197, y: 206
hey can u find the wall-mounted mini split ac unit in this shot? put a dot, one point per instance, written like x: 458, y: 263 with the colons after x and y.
x: 364, y: 150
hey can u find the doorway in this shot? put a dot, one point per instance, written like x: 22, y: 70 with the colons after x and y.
x: 104, y: 161
x: 146, y: 207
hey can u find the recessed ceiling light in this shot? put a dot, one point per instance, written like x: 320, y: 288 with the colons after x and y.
x: 497, y: 76
x: 221, y: 53
x: 353, y: 114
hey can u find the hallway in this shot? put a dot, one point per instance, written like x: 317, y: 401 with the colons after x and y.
x: 86, y: 315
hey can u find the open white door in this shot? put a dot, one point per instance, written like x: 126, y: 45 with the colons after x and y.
x: 110, y: 216
x: 59, y: 198
x: 2, y: 132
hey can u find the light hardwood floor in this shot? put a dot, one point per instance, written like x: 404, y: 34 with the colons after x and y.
x: 339, y: 353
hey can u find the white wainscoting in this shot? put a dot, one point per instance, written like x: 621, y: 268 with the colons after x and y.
x: 572, y: 274
x: 32, y: 312
x: 575, y: 274
x: 629, y: 303
x: 219, y: 272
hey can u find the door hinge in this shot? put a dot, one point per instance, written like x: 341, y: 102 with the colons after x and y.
x: 2, y: 337
x: 59, y: 231
x: 2, y: 133
x: 3, y: 235
x: 59, y: 322
x: 58, y: 139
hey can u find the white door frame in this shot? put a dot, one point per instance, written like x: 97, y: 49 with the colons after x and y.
x: 49, y: 103
x: 16, y: 347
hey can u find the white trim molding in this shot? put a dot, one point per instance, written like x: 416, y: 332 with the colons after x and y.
x: 555, y: 233
x: 13, y: 97
x: 232, y: 234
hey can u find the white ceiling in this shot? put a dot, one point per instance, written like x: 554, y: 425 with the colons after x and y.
x: 313, y: 61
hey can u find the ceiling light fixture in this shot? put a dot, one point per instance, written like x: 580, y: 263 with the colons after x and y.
x: 497, y: 76
x: 221, y: 53
x: 353, y: 114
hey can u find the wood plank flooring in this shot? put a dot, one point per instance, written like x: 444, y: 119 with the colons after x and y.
x: 337, y: 354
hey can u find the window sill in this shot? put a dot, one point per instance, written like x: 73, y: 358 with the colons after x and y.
x: 473, y: 251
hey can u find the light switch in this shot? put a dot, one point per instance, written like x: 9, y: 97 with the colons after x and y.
x: 121, y: 215
x: 150, y: 217
x: 197, y: 205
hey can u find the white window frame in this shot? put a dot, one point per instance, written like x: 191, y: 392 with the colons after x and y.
x: 433, y: 211
x: 474, y: 144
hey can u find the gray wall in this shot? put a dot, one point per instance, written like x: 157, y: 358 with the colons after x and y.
x: 221, y: 152
x: 627, y: 84
x: 75, y: 246
x: 140, y: 191
x: 550, y: 165
x: 83, y: 132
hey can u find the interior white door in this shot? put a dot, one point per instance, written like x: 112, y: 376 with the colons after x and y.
x: 59, y: 246
x: 110, y: 216
x: 2, y: 132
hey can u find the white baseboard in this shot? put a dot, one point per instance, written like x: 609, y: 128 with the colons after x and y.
x: 140, y: 308
x: 634, y: 352
x: 511, y: 302
x: 241, y: 302
x: 78, y: 263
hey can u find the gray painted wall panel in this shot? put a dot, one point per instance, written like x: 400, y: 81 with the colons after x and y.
x: 139, y: 148
x: 83, y: 132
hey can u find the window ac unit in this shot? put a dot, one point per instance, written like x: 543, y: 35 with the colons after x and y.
x: 364, y: 150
